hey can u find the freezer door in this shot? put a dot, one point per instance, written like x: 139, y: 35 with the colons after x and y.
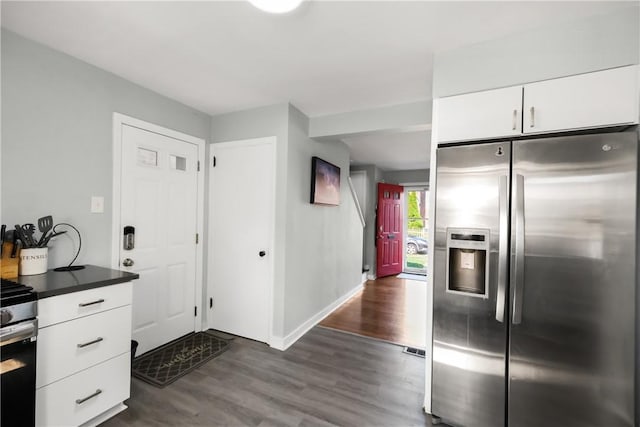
x: 470, y: 332
x: 573, y: 286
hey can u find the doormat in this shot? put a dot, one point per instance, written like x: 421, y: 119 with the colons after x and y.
x: 409, y: 276
x: 166, y: 364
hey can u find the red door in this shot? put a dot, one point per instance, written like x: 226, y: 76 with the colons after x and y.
x: 389, y: 230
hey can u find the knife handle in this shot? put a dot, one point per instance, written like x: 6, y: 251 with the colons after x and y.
x: 14, y: 250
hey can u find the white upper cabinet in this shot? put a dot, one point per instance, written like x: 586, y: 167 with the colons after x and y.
x: 603, y: 98
x: 584, y: 101
x: 489, y: 114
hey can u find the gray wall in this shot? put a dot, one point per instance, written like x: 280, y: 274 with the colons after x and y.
x: 416, y: 176
x: 323, y: 243
x: 57, y: 140
x: 255, y: 123
x: 577, y: 47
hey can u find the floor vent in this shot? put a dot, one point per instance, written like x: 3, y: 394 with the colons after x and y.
x: 415, y: 351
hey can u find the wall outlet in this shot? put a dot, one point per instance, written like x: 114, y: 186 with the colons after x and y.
x: 97, y: 204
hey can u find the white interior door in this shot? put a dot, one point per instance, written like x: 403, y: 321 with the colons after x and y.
x: 241, y: 225
x: 159, y: 199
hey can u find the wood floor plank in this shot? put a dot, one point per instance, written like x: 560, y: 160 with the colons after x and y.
x: 327, y: 378
x: 389, y: 309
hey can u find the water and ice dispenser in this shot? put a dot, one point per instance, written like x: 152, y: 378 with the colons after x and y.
x: 468, y: 261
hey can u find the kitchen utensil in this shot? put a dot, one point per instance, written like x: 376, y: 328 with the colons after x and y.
x: 45, y: 224
x: 18, y: 233
x: 50, y: 236
x: 11, y: 236
x: 43, y: 240
x: 28, y: 230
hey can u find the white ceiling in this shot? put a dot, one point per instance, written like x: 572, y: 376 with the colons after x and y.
x: 326, y: 57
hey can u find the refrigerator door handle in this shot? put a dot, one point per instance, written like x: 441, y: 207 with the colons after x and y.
x: 502, y: 247
x: 517, y: 274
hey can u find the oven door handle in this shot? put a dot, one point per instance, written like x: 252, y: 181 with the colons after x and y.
x: 19, y: 332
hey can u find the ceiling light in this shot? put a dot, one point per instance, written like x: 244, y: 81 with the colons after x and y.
x: 276, y: 6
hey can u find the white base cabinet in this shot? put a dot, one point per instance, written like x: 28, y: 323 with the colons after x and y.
x: 83, y: 372
x: 79, y: 398
x: 79, y: 344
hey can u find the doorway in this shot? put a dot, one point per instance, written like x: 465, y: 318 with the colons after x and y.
x: 241, y: 237
x: 416, y: 230
x: 389, y: 230
x: 157, y: 220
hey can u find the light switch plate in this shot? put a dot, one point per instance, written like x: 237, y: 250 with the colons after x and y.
x: 97, y: 204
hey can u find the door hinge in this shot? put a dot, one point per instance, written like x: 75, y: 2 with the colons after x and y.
x: 198, y: 165
x: 214, y: 161
x: 210, y: 302
x: 195, y: 311
x: 197, y: 238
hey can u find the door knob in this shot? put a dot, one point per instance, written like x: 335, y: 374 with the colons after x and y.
x: 127, y: 262
x: 262, y: 253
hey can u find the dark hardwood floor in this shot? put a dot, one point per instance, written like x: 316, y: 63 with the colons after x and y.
x: 326, y: 378
x: 389, y: 308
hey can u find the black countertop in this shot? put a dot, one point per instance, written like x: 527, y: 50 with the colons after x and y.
x: 53, y: 283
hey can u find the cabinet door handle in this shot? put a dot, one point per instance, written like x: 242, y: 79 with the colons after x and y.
x: 91, y: 396
x: 85, y: 304
x: 96, y: 341
x: 533, y: 116
x: 515, y: 119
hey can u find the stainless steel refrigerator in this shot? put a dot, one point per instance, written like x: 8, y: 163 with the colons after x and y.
x: 535, y: 294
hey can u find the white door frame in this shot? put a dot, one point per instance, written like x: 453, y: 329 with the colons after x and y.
x: 118, y: 121
x: 271, y: 140
x: 405, y: 233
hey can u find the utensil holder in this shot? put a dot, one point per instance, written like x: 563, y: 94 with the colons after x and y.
x: 33, y: 261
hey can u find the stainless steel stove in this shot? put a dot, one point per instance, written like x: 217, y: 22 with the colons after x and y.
x: 18, y: 335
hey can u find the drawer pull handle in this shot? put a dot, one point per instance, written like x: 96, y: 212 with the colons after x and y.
x: 97, y: 340
x: 81, y: 401
x: 85, y: 304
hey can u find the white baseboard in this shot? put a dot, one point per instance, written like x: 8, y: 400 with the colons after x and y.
x: 280, y: 343
x: 364, y: 278
x: 277, y: 343
x: 371, y: 276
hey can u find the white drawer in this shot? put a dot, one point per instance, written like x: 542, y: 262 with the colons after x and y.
x: 69, y: 347
x: 57, y: 404
x: 65, y: 307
